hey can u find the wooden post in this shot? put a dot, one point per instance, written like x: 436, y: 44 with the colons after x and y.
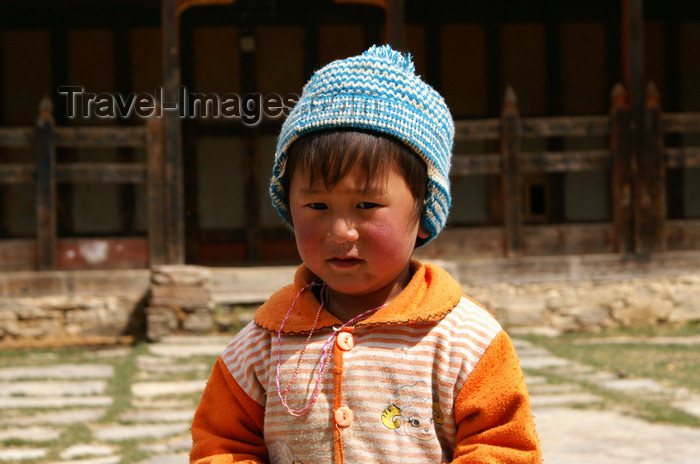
x: 633, y: 59
x: 45, y: 187
x: 649, y: 210
x: 157, y: 237
x: 512, y: 182
x: 621, y: 171
x: 193, y: 233
x: 65, y: 192
x: 172, y: 135
x: 395, y: 24
x: 123, y: 80
x: 673, y: 45
x: 651, y: 173
x: 251, y: 175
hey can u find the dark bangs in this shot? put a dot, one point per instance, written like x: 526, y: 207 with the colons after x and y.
x: 329, y: 156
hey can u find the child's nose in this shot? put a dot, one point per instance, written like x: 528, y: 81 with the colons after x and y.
x: 342, y: 230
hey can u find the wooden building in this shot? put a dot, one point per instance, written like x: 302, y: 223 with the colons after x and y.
x: 578, y: 124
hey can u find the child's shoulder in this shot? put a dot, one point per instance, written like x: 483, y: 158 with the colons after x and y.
x: 470, y: 316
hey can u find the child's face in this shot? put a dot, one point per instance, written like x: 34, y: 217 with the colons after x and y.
x: 358, y: 242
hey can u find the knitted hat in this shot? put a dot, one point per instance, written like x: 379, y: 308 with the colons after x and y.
x: 377, y: 91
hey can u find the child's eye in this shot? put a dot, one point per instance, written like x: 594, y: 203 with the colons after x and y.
x: 317, y: 206
x: 366, y: 205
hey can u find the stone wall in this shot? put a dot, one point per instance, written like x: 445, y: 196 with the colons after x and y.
x: 586, y: 292
x: 199, y: 300
x: 65, y: 307
x: 591, y: 305
x: 550, y: 295
x: 180, y: 301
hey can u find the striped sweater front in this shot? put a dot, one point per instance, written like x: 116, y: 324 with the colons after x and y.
x: 396, y: 392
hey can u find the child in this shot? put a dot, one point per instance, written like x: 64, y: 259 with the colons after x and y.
x: 368, y: 356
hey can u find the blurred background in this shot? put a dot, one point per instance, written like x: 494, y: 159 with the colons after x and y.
x: 592, y: 173
x: 575, y: 219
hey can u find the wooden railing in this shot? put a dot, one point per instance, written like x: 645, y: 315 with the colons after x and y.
x: 45, y: 173
x: 636, y: 159
x: 636, y: 162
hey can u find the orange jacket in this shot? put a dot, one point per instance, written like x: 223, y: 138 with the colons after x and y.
x: 431, y: 377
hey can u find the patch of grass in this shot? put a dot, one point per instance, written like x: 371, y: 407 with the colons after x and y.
x: 131, y: 452
x: 641, y: 331
x: 32, y: 357
x: 652, y: 410
x: 119, y: 387
x: 76, y: 433
x: 676, y: 365
x: 617, y: 351
x: 11, y: 442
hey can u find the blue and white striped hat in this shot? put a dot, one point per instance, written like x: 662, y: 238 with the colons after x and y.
x: 377, y: 91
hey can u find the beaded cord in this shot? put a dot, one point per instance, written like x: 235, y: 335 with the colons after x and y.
x: 325, y: 353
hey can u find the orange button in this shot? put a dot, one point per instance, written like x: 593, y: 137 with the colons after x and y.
x: 345, y: 341
x: 343, y: 416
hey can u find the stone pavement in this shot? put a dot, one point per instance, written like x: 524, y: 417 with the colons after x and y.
x: 134, y: 405
x: 573, y: 434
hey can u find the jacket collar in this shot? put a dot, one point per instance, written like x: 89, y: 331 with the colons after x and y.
x: 430, y: 295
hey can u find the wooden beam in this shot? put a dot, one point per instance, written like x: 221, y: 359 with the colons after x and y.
x: 651, y: 176
x: 683, y: 234
x: 634, y: 77
x: 681, y: 122
x: 17, y: 136
x: 565, y: 126
x: 621, y: 176
x: 5, y: 225
x: 103, y: 173
x: 686, y: 157
x: 155, y: 192
x: 633, y: 55
x: 512, y: 180
x: 172, y: 141
x: 17, y: 173
x: 45, y: 188
x: 553, y: 50
x: 59, y: 69
x: 191, y: 133
x: 311, y: 44
x: 494, y: 84
x: 614, y: 45
x: 633, y: 71
x: 675, y: 178
x: 542, y: 127
x: 533, y: 162
x: 60, y: 76
x: 433, y: 44
x: 17, y: 255
x: 478, y: 129
x: 251, y: 174
x: 123, y: 78
x: 4, y: 222
x: 565, y: 161
x: 395, y: 24
x: 476, y: 164
x: 554, y: 195
x: 132, y: 136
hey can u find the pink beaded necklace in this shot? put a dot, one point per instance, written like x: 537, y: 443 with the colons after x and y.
x: 325, y: 353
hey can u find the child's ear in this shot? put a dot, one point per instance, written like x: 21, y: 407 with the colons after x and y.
x: 423, y: 232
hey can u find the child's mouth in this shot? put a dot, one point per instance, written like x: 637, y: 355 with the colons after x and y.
x: 344, y: 262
